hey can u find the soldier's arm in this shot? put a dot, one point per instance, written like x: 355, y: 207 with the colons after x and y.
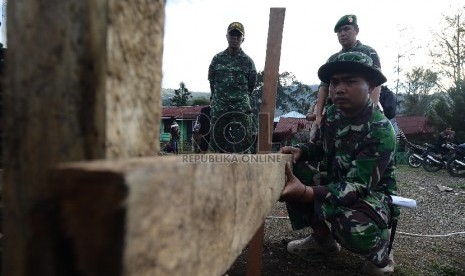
x: 252, y: 79
x: 320, y: 102
x: 211, y: 75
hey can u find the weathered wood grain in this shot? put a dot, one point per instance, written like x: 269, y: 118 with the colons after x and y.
x: 83, y: 82
x: 177, y: 216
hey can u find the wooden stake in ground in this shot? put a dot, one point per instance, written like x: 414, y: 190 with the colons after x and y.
x: 265, y: 134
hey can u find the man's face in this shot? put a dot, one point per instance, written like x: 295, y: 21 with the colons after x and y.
x: 235, y: 39
x: 347, y: 36
x: 349, y: 92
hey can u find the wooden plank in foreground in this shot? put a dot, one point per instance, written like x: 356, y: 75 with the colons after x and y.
x: 83, y: 81
x: 184, y: 215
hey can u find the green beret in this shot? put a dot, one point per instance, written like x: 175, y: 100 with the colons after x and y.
x: 349, y: 19
x: 236, y: 26
x: 352, y: 62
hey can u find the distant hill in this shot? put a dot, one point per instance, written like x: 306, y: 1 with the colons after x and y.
x: 294, y: 98
x: 167, y: 93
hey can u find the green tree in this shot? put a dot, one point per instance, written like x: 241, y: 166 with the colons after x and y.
x: 419, y: 87
x: 449, y: 51
x: 447, y: 110
x: 291, y: 94
x: 181, y: 95
x: 449, y: 56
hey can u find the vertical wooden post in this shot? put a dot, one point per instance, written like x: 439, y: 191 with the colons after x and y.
x: 265, y: 134
x: 83, y: 81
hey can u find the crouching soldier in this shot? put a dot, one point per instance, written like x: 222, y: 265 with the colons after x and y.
x: 350, y: 206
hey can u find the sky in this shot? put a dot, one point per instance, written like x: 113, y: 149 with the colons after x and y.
x: 3, y: 21
x: 399, y: 30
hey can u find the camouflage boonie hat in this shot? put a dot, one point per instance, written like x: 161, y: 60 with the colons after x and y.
x: 349, y: 19
x: 352, y: 62
x: 236, y: 26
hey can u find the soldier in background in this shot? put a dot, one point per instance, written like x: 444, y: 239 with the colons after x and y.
x: 232, y: 76
x: 175, y: 135
x: 201, y: 130
x: 347, y: 30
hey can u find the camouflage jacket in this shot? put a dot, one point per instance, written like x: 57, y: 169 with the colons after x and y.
x: 358, y: 47
x: 232, y: 79
x: 360, y: 170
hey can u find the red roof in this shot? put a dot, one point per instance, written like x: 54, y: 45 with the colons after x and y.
x: 414, y: 124
x: 292, y: 125
x: 181, y: 112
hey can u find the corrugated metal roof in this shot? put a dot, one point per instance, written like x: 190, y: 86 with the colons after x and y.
x: 414, y: 124
x: 181, y: 112
x: 292, y: 125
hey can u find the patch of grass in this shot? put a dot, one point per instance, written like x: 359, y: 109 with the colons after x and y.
x: 406, y: 271
x: 404, y: 185
x: 460, y: 186
x: 436, y: 248
x: 405, y: 168
x: 445, y: 270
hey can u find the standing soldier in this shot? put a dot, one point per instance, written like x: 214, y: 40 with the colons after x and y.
x: 232, y: 76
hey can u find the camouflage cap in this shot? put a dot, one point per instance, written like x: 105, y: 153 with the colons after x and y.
x: 236, y: 26
x: 352, y: 62
x: 349, y: 19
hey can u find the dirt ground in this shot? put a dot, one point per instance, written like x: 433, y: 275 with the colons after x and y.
x: 437, y: 213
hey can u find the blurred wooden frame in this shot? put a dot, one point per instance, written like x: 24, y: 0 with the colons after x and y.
x: 82, y: 194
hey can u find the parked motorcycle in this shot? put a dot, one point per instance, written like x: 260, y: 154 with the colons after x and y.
x: 435, y: 158
x: 456, y: 164
x: 414, y: 155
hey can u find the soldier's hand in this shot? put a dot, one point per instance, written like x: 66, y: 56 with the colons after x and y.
x: 296, y: 152
x: 293, y: 190
x: 310, y: 117
x: 318, y: 120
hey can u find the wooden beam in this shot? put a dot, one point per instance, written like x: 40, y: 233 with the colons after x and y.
x: 83, y: 81
x: 270, y: 79
x: 266, y: 116
x: 184, y: 215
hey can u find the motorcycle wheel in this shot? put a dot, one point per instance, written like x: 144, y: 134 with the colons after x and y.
x: 413, y: 161
x: 429, y: 165
x: 454, y: 168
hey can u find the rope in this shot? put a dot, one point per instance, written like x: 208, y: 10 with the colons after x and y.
x: 432, y: 236
x: 399, y: 232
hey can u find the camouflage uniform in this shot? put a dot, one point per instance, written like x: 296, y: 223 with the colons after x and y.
x: 359, y: 47
x: 233, y: 78
x: 354, y: 195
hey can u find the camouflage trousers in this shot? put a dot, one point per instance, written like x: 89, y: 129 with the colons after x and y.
x: 353, y: 227
x: 232, y: 132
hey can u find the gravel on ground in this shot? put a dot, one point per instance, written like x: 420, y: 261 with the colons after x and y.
x: 430, y: 239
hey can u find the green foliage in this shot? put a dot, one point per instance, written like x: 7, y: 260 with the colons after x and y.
x: 181, y: 95
x: 419, y: 87
x: 441, y: 95
x: 448, y: 111
x: 291, y: 94
x: 201, y: 101
x: 448, y: 53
